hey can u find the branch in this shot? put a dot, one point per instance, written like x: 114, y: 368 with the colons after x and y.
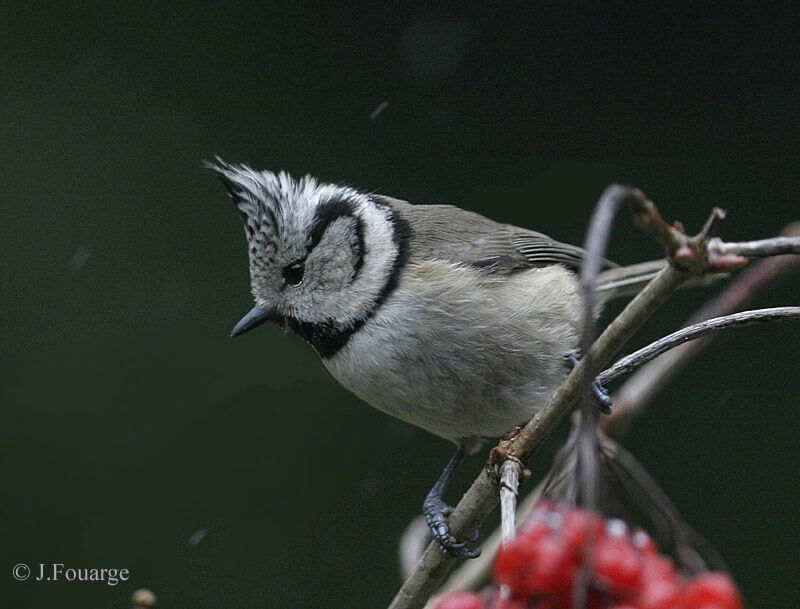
x: 509, y: 484
x: 597, y: 238
x: 755, y: 249
x: 639, y: 389
x: 631, y: 362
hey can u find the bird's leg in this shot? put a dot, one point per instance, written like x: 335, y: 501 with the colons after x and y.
x: 601, y: 397
x: 436, y: 512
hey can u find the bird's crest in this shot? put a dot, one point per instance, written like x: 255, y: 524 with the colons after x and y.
x: 265, y: 201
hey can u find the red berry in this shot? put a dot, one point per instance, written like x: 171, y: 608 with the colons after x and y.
x: 617, y: 563
x: 579, y: 524
x: 461, y: 600
x: 712, y: 591
x: 659, y: 593
x: 508, y: 603
x: 554, y: 565
x: 658, y: 567
x: 535, y: 567
x: 513, y: 564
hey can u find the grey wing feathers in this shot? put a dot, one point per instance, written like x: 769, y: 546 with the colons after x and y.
x: 628, y: 280
x: 540, y: 250
x: 452, y: 233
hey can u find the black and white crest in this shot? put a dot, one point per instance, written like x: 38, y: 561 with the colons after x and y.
x: 266, y: 202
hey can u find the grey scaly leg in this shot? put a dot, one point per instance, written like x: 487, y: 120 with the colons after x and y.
x: 436, y: 512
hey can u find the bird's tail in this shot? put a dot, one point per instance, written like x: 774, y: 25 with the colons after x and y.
x: 628, y: 280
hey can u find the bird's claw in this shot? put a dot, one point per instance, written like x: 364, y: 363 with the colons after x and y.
x: 436, y: 513
x: 601, y: 397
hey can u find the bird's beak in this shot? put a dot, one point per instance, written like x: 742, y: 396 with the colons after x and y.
x: 256, y: 317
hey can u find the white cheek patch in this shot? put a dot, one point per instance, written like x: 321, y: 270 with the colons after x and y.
x: 381, y: 252
x: 334, y: 295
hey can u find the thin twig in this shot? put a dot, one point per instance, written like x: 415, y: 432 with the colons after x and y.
x: 509, y: 484
x: 776, y: 246
x: 647, y: 382
x: 631, y: 362
x: 717, y: 214
x: 647, y: 217
x: 586, y: 463
x: 597, y: 239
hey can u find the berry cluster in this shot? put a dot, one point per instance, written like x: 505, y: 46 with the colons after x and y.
x: 543, y: 564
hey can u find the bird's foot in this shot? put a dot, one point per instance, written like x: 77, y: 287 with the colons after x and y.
x: 436, y: 512
x: 602, y: 399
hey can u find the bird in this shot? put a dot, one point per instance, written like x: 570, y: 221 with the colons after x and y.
x: 436, y: 315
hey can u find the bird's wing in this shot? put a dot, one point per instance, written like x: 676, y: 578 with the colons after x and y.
x: 451, y: 233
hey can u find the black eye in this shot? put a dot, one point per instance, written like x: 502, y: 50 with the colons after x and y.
x: 293, y: 273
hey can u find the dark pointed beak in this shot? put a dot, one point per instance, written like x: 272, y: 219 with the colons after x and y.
x: 256, y: 317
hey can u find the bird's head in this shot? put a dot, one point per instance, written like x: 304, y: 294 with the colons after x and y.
x: 322, y: 256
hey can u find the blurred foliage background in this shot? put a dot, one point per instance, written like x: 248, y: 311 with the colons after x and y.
x: 135, y: 434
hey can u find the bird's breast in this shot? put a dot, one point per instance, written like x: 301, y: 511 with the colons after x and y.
x: 462, y: 353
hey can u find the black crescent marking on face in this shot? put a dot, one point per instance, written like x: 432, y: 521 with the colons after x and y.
x: 329, y: 337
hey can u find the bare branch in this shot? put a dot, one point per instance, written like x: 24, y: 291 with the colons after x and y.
x: 645, y: 383
x: 597, y: 239
x: 586, y: 464
x: 647, y: 218
x: 716, y: 215
x: 639, y: 389
x: 636, y: 359
x: 755, y: 249
x: 509, y: 484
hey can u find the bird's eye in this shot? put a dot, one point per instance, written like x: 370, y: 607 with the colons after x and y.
x: 293, y: 273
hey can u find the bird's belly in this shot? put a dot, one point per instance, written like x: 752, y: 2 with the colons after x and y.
x: 457, y: 403
x: 461, y: 368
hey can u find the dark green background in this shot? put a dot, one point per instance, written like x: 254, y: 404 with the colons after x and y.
x: 130, y: 420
